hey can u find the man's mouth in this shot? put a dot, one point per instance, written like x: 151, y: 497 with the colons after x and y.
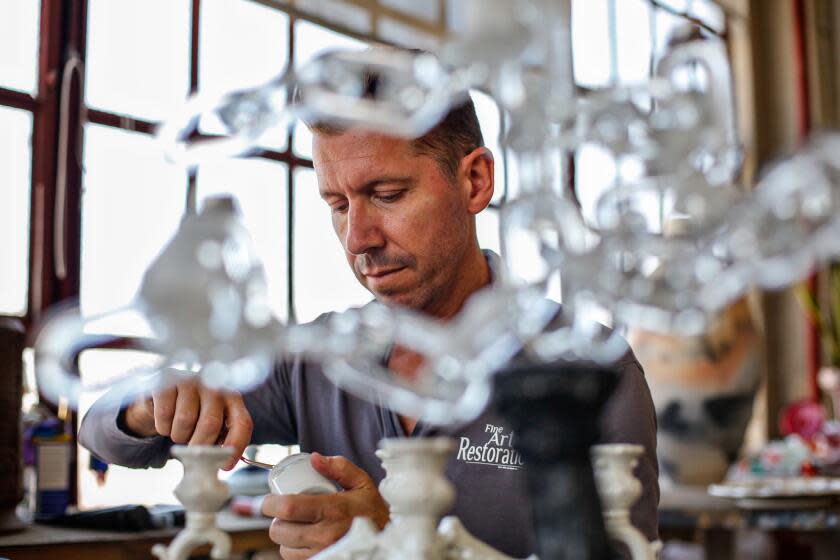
x: 381, y: 273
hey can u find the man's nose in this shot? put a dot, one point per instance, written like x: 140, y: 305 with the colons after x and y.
x: 363, y: 230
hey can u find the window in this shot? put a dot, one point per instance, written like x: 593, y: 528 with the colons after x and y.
x: 15, y: 158
x: 127, y: 73
x: 133, y: 200
x: 260, y: 187
x: 136, y: 62
x: 18, y: 88
x: 122, y: 485
x: 310, y: 41
x: 327, y: 283
x: 19, y: 45
x: 619, y: 42
x: 242, y: 44
x: 323, y: 278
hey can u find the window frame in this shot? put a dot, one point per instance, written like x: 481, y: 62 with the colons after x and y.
x: 62, y: 33
x: 56, y: 232
x: 54, y: 267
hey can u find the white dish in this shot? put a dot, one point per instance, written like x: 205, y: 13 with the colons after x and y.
x: 295, y: 475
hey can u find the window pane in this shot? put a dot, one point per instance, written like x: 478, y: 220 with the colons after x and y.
x: 709, y: 13
x: 302, y: 140
x: 665, y: 23
x: 341, y: 12
x: 399, y: 33
x: 677, y: 5
x: 122, y: 485
x: 428, y: 10
x: 133, y: 201
x: 691, y: 76
x: 490, y: 120
x: 595, y: 172
x: 242, y: 44
x: 260, y: 187
x: 16, y: 163
x: 138, y: 56
x: 591, y: 42
x: 323, y: 279
x: 127, y: 486
x: 556, y: 161
x: 311, y: 40
x: 487, y: 229
x: 634, y: 40
x: 19, y: 44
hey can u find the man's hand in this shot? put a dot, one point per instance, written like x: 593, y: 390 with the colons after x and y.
x: 190, y: 413
x: 304, y: 525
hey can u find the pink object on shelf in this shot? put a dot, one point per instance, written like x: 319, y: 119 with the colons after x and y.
x: 804, y: 418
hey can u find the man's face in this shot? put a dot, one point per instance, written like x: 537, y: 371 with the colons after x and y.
x: 404, y: 226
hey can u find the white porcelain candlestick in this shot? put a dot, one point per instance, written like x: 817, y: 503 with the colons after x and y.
x: 418, y: 494
x: 203, y: 495
x: 619, y: 489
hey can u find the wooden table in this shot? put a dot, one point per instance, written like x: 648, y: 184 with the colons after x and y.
x: 57, y: 543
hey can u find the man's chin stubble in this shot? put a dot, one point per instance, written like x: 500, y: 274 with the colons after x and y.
x: 397, y: 298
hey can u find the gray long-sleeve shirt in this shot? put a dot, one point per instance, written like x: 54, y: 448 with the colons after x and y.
x: 299, y: 405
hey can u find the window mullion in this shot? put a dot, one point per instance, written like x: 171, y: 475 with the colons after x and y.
x: 194, y: 38
x: 290, y: 197
x: 44, y: 155
x: 17, y: 99
x: 68, y: 234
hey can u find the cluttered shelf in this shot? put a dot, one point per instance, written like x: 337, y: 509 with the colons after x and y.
x: 749, y: 529
x: 39, y: 541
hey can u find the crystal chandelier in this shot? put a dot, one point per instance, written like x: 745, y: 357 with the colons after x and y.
x: 204, y: 299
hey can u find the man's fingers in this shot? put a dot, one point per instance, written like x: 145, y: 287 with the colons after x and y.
x: 187, y: 405
x: 239, y: 426
x: 287, y: 553
x: 163, y: 402
x: 190, y: 413
x: 292, y: 535
x: 339, y: 469
x: 296, y: 508
x: 311, y: 537
x: 211, y: 418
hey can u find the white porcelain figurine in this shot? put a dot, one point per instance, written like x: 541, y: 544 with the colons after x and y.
x: 619, y: 489
x: 418, y: 494
x: 203, y: 495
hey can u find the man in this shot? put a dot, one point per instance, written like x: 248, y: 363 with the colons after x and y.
x: 404, y: 212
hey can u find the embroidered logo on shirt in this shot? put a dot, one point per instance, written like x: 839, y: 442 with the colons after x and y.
x: 497, y: 451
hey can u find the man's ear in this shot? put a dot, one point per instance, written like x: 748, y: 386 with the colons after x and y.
x: 477, y: 173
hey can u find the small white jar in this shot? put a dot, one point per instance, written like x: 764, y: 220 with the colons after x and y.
x: 295, y: 475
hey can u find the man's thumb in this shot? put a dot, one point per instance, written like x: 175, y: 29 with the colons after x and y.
x: 339, y: 469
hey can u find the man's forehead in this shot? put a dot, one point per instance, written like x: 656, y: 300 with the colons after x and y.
x: 334, y: 148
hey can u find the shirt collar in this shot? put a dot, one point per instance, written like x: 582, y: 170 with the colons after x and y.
x: 497, y: 267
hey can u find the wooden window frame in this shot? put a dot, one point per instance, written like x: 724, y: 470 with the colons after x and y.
x: 54, y: 230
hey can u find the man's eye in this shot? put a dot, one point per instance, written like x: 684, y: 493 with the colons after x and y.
x: 339, y: 208
x: 389, y: 197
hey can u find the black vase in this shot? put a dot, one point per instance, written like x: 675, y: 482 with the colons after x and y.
x: 554, y: 410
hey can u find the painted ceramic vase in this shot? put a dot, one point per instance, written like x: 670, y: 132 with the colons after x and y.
x: 703, y: 389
